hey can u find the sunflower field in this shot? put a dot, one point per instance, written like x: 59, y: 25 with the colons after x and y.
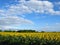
x: 38, y: 38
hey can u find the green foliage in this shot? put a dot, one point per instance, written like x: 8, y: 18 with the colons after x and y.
x: 0, y: 30
x: 20, y: 40
x: 26, y: 31
x: 9, y: 31
x: 18, y: 31
x: 42, y: 31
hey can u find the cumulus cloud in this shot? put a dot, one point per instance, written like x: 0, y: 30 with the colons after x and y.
x: 10, y: 22
x: 31, y: 6
x: 40, y: 6
x: 14, y: 21
x: 10, y: 16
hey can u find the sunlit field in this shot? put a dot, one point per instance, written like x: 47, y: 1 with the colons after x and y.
x: 16, y: 38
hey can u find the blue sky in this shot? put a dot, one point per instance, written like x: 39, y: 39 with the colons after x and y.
x: 41, y: 15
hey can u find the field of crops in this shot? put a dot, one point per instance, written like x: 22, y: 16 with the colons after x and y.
x: 15, y: 38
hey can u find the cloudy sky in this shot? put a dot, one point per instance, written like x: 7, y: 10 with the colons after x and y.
x: 30, y: 14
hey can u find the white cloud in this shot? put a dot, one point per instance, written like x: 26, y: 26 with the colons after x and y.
x: 18, y: 9
x: 11, y: 20
x: 8, y: 27
x: 31, y: 6
x: 10, y: 16
x: 41, y: 6
x: 54, y: 27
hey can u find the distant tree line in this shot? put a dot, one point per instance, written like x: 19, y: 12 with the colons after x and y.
x: 7, y: 31
x: 24, y: 31
x: 18, y: 31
